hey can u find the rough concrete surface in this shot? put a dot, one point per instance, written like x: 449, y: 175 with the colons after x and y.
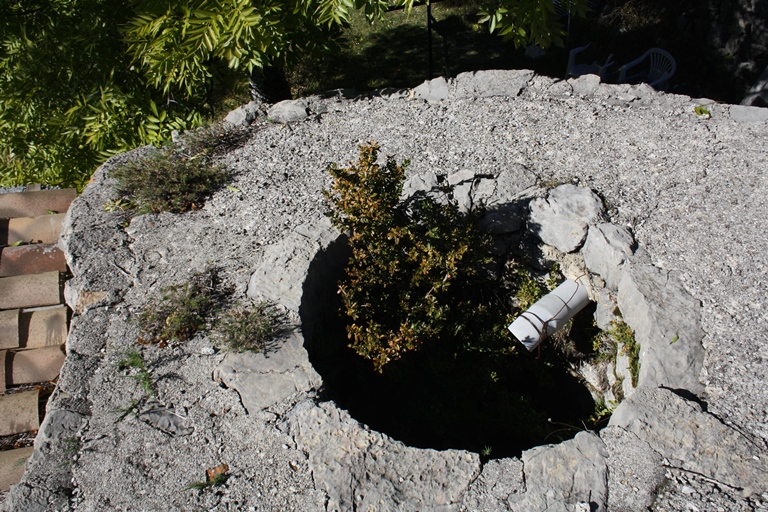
x: 691, y: 191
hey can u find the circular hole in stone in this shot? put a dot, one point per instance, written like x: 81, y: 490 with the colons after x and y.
x: 497, y: 406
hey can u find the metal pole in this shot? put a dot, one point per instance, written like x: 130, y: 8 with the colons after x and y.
x: 429, y: 37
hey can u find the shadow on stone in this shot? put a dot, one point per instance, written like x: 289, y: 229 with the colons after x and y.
x: 434, y: 399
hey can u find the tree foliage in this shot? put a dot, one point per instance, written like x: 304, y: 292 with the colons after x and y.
x: 530, y: 21
x: 81, y: 80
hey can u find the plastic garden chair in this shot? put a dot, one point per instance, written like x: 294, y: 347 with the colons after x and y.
x: 577, y: 70
x: 661, y: 68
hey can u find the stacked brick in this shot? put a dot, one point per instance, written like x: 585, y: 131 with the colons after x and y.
x: 34, y: 320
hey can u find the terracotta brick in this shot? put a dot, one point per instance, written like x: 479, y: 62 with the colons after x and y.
x: 43, y: 229
x: 32, y: 204
x: 31, y: 259
x: 19, y: 412
x: 36, y: 365
x: 30, y: 291
x: 12, y: 465
x: 9, y: 329
x: 3, y: 379
x: 44, y: 327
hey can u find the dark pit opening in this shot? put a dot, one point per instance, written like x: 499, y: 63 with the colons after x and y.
x: 496, y: 405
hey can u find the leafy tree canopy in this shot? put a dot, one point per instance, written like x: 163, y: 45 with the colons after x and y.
x: 81, y: 80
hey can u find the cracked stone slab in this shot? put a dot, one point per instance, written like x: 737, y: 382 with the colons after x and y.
x: 606, y: 249
x: 566, y: 476
x: 280, y: 278
x: 562, y: 218
x: 494, y: 82
x: 499, y: 487
x: 360, y: 469
x: 634, y: 470
x: 666, y: 321
x: 692, y: 439
x: 266, y: 379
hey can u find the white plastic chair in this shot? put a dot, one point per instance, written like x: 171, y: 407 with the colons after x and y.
x: 577, y: 70
x: 662, y: 67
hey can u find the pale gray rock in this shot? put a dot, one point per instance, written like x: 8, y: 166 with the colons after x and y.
x: 419, y: 183
x: 634, y: 470
x: 585, y: 85
x: 280, y: 278
x: 511, y: 184
x: 745, y: 114
x: 506, y: 188
x: 495, y: 82
x: 606, y: 249
x: 605, y: 309
x: 499, y: 487
x: 267, y: 378
x: 691, y: 439
x: 165, y: 419
x: 462, y: 183
x: 288, y: 111
x: 244, y: 114
x: 360, y: 469
x: 561, y: 477
x: 432, y: 91
x: 562, y: 218
x: 666, y: 321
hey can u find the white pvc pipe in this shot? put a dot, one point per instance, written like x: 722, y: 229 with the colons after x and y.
x: 549, y: 314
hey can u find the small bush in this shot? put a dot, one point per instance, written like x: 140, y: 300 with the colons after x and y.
x: 183, y: 309
x: 416, y: 270
x: 251, y: 328
x: 168, y: 180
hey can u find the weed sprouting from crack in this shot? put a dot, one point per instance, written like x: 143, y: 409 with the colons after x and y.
x: 135, y: 361
x: 183, y: 310
x: 625, y: 336
x: 251, y: 327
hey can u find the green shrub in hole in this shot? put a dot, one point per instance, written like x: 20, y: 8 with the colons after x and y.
x: 416, y: 267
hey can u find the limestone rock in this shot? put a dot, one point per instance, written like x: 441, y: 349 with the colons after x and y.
x: 360, y: 469
x: 509, y: 186
x: 563, y: 217
x: 433, y: 91
x: 634, y: 470
x: 499, y: 487
x: 585, y: 85
x: 280, y: 278
x: 495, y: 82
x: 693, y: 439
x: 606, y: 249
x: 243, y: 115
x: 462, y: 183
x: 420, y: 183
x: 288, y: 111
x: 745, y: 114
x: 266, y: 379
x: 665, y: 319
x: 560, y: 477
